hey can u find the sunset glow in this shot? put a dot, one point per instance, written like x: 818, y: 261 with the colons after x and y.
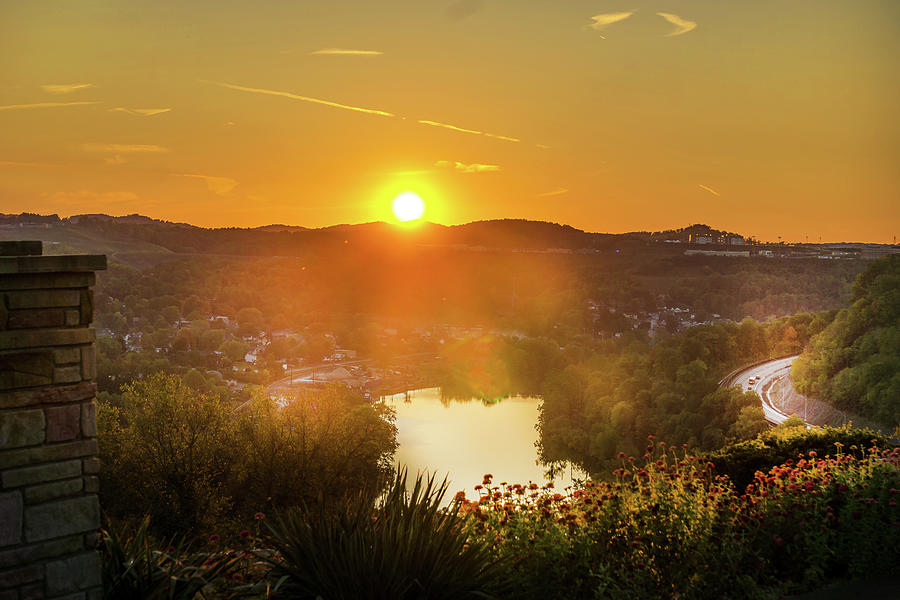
x: 269, y: 113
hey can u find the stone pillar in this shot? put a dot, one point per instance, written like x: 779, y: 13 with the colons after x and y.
x: 49, y: 513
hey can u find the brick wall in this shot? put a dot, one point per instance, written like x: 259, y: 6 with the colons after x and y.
x: 49, y: 514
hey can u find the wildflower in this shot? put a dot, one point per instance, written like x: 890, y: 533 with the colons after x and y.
x: 214, y: 538
x: 171, y: 549
x: 460, y: 496
x: 236, y: 577
x: 245, y: 533
x: 259, y: 516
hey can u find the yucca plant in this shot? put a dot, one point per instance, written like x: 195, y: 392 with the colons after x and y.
x: 134, y: 569
x: 402, y: 546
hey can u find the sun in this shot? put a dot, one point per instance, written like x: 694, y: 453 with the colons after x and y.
x: 408, y: 206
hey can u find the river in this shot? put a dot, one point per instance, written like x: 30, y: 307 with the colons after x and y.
x: 466, y: 439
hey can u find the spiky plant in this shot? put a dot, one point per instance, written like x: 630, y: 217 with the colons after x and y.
x: 402, y: 546
x: 135, y: 569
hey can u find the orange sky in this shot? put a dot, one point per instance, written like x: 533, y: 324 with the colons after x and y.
x: 771, y: 118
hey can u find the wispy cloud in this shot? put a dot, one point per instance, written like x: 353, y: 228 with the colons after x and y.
x: 464, y: 168
x: 370, y: 111
x: 682, y: 26
x: 345, y: 52
x: 146, y: 112
x: 124, y: 148
x: 242, y: 88
x: 217, y: 185
x: 43, y: 105
x: 556, y: 192
x: 605, y: 19
x: 464, y: 130
x: 21, y: 163
x: 543, y: 146
x: 709, y: 189
x: 66, y: 88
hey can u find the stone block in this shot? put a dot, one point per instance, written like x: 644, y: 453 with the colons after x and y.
x: 13, y: 478
x: 25, y: 369
x: 4, y: 314
x: 68, y: 263
x: 63, y: 422
x: 21, y: 576
x: 92, y: 484
x: 90, y: 466
x: 87, y: 307
x: 53, y: 491
x: 35, y: 552
x: 34, y: 318
x: 32, y: 592
x: 21, y: 248
x: 35, y: 338
x: 73, y: 318
x: 14, y: 594
x: 88, y: 362
x: 10, y: 519
x: 43, y: 281
x: 42, y: 298
x: 67, y: 374
x: 89, y: 419
x: 61, y: 518
x: 22, y: 428
x: 72, y: 574
x: 47, y: 453
x: 67, y: 356
x: 55, y: 395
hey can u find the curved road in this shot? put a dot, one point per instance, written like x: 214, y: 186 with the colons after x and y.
x: 764, y: 376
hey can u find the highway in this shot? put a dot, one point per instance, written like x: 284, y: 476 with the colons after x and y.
x: 764, y: 376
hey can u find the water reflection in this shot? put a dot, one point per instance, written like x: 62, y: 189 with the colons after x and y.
x: 466, y: 439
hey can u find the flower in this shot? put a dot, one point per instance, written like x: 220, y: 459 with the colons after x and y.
x: 214, y: 538
x: 245, y: 533
x: 259, y: 516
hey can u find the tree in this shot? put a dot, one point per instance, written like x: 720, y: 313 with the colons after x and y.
x: 234, y: 350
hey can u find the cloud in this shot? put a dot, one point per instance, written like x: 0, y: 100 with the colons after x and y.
x: 681, y: 26
x: 242, y: 88
x: 99, y: 199
x: 146, y: 112
x: 464, y: 130
x: 502, y: 137
x: 43, y: 105
x: 118, y: 159
x: 601, y: 21
x: 709, y: 189
x: 556, y: 192
x: 217, y: 185
x: 345, y: 52
x: 543, y: 146
x: 124, y: 148
x: 370, y: 111
x: 463, y: 8
x: 464, y: 168
x: 19, y: 163
x: 66, y: 88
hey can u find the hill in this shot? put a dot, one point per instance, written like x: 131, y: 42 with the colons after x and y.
x: 855, y: 362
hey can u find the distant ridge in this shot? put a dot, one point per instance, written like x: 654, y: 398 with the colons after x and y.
x: 100, y: 232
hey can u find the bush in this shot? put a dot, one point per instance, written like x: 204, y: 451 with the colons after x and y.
x: 674, y: 528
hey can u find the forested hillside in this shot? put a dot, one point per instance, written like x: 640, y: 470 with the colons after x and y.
x: 855, y: 362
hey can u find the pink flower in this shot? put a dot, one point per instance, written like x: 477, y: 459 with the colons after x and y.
x: 259, y: 516
x: 214, y: 538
